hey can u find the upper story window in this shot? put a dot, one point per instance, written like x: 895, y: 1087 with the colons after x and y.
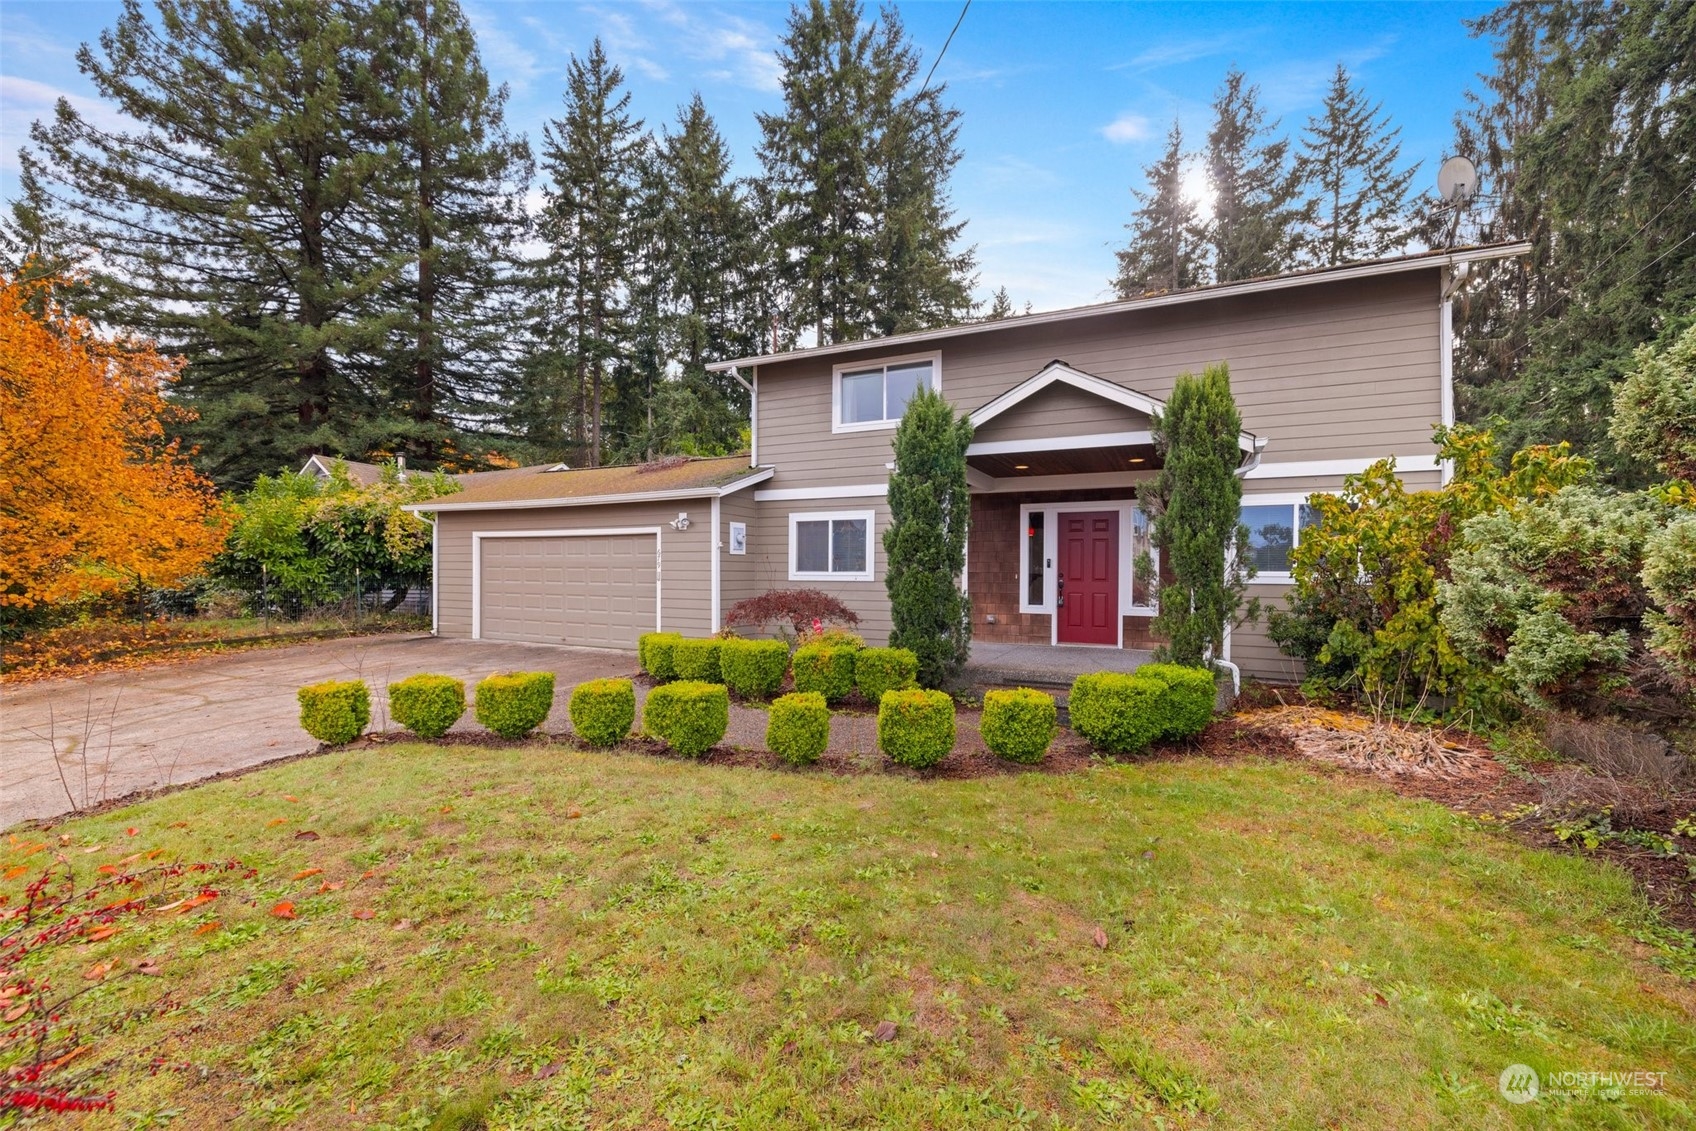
x: 874, y: 396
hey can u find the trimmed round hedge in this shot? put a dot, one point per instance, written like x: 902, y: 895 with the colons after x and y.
x: 799, y: 727
x: 603, y: 710
x: 654, y: 654
x: 697, y: 659
x: 512, y: 704
x: 915, y: 728
x: 1187, y: 707
x: 1119, y: 713
x: 426, y: 704
x: 753, y: 668
x: 335, y: 712
x: 1019, y: 724
x: 877, y: 670
x: 689, y: 716
x: 825, y: 668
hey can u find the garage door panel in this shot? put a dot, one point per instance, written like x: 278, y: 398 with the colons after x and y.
x: 593, y: 590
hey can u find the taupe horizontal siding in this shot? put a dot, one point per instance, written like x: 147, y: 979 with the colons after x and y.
x: 1061, y: 410
x: 685, y: 562
x: 1340, y: 371
x: 768, y: 550
x: 1252, y: 649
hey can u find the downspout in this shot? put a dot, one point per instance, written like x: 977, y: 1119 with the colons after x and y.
x: 435, y: 557
x: 1224, y: 659
x: 753, y: 420
x: 1446, y: 355
x: 715, y: 568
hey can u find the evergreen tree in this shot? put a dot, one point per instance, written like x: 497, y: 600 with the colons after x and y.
x: 856, y: 170
x: 1000, y: 306
x: 239, y: 223
x: 460, y: 205
x: 1165, y: 252
x: 1255, y: 218
x: 1197, y: 503
x: 592, y: 159
x: 925, y: 545
x: 1357, y: 197
x: 34, y: 240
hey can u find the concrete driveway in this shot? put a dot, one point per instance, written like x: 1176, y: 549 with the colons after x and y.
x: 70, y: 743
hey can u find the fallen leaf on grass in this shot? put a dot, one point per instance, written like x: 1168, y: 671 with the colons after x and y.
x: 284, y: 910
x: 129, y: 832
x: 364, y: 914
x: 1099, y: 938
x: 884, y: 1031
x: 329, y: 886
x: 306, y: 834
x: 275, y: 821
x: 93, y: 848
x: 99, y: 933
x: 777, y: 836
x: 573, y: 813
x: 109, y: 869
x: 98, y: 971
x: 307, y: 873
x: 206, y: 896
x: 179, y: 824
x: 15, y: 871
x: 291, y: 797
x: 16, y: 1012
x: 148, y: 966
x: 447, y: 808
x: 208, y: 928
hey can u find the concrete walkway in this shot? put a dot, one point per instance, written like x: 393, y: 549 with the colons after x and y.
x: 71, y: 743
x: 1044, y: 666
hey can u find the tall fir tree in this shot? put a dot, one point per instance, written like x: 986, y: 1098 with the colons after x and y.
x: 35, y: 240
x: 1256, y: 218
x: 1584, y: 135
x: 1357, y: 195
x: 1000, y: 306
x: 856, y: 170
x: 239, y: 222
x: 1166, y: 251
x: 460, y: 202
x: 592, y: 156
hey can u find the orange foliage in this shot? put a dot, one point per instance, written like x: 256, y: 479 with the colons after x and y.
x: 93, y: 497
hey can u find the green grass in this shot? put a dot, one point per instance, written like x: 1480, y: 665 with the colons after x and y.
x: 705, y: 947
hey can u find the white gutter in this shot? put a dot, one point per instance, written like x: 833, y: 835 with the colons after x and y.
x: 1243, y: 472
x: 595, y: 500
x: 1202, y: 294
x: 715, y: 571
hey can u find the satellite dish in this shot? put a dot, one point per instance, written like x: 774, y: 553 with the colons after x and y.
x: 1457, y: 180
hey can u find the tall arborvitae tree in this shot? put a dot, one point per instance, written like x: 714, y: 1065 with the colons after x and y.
x: 1166, y: 249
x: 1256, y: 219
x: 1585, y: 136
x: 1357, y: 195
x: 592, y: 159
x: 856, y: 170
x: 460, y: 202
x: 239, y: 223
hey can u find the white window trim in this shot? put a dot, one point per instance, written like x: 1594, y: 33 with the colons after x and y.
x: 1291, y: 499
x: 479, y: 536
x: 836, y: 424
x: 1051, y: 551
x: 870, y: 519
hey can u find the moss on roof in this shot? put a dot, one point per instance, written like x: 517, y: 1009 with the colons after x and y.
x: 539, y: 484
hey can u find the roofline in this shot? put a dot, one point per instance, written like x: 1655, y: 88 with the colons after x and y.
x: 759, y: 476
x: 1422, y: 262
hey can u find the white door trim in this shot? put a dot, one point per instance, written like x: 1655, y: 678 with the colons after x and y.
x: 477, y: 537
x: 1051, y: 552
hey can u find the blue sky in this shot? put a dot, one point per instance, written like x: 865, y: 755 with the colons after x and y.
x: 1063, y: 103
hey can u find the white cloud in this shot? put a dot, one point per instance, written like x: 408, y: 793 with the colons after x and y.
x: 507, y: 59
x: 1127, y: 128
x: 1176, y: 51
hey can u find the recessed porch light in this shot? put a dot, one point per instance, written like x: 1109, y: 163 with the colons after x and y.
x: 1021, y: 467
x: 1136, y: 459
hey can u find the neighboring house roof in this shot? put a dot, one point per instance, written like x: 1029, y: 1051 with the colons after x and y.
x: 542, y: 486
x: 1419, y: 262
x: 1058, y: 372
x: 363, y: 474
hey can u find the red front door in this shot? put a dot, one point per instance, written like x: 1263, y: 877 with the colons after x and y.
x: 1089, y: 578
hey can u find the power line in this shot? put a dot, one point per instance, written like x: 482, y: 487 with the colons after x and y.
x: 926, y: 84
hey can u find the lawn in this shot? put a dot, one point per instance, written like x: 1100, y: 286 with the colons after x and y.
x: 540, y: 937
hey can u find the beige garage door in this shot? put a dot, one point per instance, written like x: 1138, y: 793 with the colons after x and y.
x: 597, y: 591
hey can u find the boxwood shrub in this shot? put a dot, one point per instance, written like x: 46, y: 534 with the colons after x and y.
x: 653, y: 654
x: 512, y: 704
x: 690, y: 716
x: 1117, y: 712
x: 335, y: 712
x: 799, y: 729
x: 603, y: 710
x: 915, y: 728
x: 825, y: 668
x: 753, y: 668
x: 1187, y: 707
x: 877, y: 670
x: 1019, y: 724
x: 696, y: 659
x: 427, y: 705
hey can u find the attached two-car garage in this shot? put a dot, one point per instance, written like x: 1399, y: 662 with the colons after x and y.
x: 592, y: 590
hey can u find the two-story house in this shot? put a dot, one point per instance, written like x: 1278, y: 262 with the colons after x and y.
x: 1332, y: 369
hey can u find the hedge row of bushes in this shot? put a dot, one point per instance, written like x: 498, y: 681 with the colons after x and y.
x: 1118, y: 713
x: 833, y: 666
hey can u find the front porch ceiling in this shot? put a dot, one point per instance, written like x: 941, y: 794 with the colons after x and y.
x: 1070, y: 461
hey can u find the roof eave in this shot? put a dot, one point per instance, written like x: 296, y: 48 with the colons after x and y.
x: 758, y: 476
x: 1176, y: 298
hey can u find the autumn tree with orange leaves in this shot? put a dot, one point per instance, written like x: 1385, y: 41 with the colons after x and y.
x: 94, y: 499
